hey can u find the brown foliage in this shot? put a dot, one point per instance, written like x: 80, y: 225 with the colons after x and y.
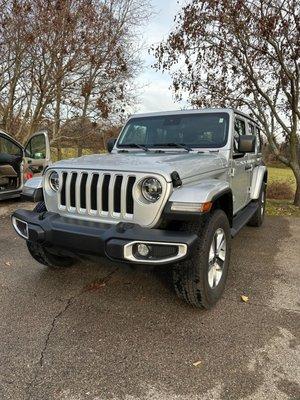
x: 61, y: 59
x: 280, y: 191
x: 241, y: 53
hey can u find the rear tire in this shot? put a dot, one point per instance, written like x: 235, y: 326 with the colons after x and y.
x: 42, y: 255
x: 258, y: 217
x: 200, y: 280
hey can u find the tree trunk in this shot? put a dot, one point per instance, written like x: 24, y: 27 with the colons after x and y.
x: 79, y: 151
x: 296, y: 171
x: 297, y: 194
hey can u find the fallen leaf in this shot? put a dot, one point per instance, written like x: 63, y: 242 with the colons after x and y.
x: 94, y: 286
x: 197, y: 363
x: 244, y: 298
x: 7, y: 263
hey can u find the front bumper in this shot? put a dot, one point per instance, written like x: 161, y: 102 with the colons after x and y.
x: 117, y: 242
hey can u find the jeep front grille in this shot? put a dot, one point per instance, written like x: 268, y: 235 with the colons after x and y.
x: 97, y: 193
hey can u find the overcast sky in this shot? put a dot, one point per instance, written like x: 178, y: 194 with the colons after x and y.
x: 155, y: 94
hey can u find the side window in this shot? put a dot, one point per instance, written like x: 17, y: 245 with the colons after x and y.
x: 239, y: 129
x: 9, y: 147
x: 36, y: 147
x: 251, y: 129
x: 258, y: 139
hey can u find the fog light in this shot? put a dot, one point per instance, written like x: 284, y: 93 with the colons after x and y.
x: 21, y: 227
x: 143, y: 249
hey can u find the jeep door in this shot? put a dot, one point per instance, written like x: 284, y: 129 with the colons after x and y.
x: 240, y: 181
x: 11, y: 168
x: 254, y: 159
x: 37, y: 153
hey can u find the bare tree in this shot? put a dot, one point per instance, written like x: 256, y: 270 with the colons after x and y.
x: 66, y: 59
x: 241, y: 53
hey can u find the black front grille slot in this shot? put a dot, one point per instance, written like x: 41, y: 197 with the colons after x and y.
x: 63, y: 189
x: 94, y: 192
x: 129, y: 196
x: 105, y: 186
x: 72, y: 189
x: 83, y: 190
x: 117, y: 194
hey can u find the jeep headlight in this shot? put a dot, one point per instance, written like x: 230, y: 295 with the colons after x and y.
x: 54, y: 181
x: 151, y: 189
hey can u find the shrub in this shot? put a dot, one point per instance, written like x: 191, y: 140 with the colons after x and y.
x: 280, y: 191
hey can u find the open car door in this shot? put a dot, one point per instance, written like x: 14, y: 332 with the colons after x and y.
x: 37, y: 153
x: 11, y: 158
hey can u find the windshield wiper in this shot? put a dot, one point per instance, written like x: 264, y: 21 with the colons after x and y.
x: 138, y: 146
x: 177, y: 145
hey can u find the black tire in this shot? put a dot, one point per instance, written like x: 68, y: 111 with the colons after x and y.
x: 41, y: 254
x: 191, y: 277
x: 258, y: 217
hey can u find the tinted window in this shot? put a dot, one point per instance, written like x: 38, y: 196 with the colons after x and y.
x: 195, y: 130
x: 9, y: 147
x: 239, y: 129
x: 36, y: 147
x: 258, y: 139
x: 251, y: 129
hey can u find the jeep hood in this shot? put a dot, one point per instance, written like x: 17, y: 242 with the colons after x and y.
x: 186, y: 164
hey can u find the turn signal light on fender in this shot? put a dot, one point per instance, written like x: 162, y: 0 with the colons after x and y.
x: 206, y: 207
x: 191, y: 207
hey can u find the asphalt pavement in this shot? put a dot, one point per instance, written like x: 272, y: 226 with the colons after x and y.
x: 103, y: 331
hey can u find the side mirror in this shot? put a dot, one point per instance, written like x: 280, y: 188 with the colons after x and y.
x: 110, y: 144
x: 247, y: 144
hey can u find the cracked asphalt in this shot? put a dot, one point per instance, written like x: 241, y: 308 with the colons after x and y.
x: 102, y: 331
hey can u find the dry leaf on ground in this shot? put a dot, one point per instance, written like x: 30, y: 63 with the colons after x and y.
x: 197, y: 363
x: 244, y: 298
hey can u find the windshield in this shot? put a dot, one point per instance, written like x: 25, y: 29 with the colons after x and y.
x: 191, y: 130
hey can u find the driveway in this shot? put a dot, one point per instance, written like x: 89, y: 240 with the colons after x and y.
x: 101, y: 331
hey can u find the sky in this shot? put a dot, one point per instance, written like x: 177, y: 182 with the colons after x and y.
x: 155, y: 93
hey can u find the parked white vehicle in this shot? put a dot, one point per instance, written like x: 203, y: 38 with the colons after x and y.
x: 19, y: 163
x: 174, y: 188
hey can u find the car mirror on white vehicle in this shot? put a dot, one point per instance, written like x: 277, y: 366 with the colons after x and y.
x: 246, y: 144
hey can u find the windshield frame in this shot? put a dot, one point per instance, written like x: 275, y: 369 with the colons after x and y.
x: 221, y: 113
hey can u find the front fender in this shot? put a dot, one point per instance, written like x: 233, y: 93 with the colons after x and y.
x: 33, y: 189
x: 257, y: 180
x: 203, y: 192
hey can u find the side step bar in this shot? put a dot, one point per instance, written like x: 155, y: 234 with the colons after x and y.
x: 243, y: 216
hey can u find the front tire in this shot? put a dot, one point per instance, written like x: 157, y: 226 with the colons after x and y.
x: 42, y: 255
x: 200, y: 280
x: 258, y: 217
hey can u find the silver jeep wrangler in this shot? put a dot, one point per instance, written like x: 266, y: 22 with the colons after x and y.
x: 174, y: 188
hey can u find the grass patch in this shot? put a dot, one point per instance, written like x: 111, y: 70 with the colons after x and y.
x: 282, y: 208
x: 281, y: 182
x: 281, y: 175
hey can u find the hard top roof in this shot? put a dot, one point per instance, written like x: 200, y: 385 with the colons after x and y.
x: 193, y: 111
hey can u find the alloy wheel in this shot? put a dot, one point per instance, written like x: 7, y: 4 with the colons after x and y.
x: 217, y: 257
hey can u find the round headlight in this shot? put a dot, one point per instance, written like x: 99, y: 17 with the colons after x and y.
x: 54, y: 181
x: 151, y: 189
